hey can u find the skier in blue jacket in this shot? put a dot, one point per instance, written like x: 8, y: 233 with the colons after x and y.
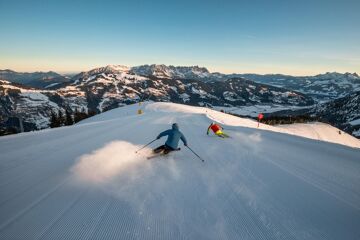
x: 171, y: 144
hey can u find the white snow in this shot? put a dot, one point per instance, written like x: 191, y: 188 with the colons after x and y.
x: 355, y: 122
x: 254, y: 110
x: 52, y: 85
x: 320, y: 131
x: 174, y: 88
x: 30, y: 101
x: 71, y: 91
x: 105, y: 80
x: 86, y: 181
x: 198, y: 91
x: 231, y: 96
x: 185, y: 97
x: 120, y: 68
x: 131, y: 89
x: 101, y: 103
x: 35, y: 96
x: 8, y: 86
x: 89, y: 79
x: 155, y: 92
x: 356, y: 133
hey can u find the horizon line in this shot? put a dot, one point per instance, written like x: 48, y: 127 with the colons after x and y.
x: 71, y: 72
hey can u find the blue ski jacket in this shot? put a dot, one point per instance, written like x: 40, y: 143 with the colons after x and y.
x: 174, y: 135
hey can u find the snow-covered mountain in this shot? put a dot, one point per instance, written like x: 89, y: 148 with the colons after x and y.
x: 111, y: 85
x: 322, y: 87
x: 108, y: 87
x: 343, y: 113
x: 109, y: 69
x: 180, y: 72
x: 86, y: 181
x: 31, y: 104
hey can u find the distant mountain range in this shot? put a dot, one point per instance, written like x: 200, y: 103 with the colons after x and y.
x: 321, y: 87
x: 35, y: 79
x: 33, y: 95
x: 343, y: 112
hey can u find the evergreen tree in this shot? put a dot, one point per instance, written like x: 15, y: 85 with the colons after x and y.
x: 81, y: 115
x: 61, y: 118
x: 54, y: 121
x: 78, y: 116
x: 68, y: 118
x: 91, y: 113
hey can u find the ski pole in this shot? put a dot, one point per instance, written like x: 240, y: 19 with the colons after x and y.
x: 196, y: 154
x: 145, y: 146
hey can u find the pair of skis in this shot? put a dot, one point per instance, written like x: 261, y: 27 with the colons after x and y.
x: 165, y: 154
x: 161, y: 154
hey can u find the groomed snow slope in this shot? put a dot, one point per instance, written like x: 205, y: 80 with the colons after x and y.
x: 86, y: 182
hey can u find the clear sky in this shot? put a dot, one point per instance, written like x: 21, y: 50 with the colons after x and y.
x: 298, y: 37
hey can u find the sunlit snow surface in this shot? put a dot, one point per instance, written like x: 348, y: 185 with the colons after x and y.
x: 87, y: 182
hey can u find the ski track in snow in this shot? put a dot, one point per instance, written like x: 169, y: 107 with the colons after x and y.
x: 255, y: 185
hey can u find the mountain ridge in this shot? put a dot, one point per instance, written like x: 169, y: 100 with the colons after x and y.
x: 104, y: 88
x: 203, y: 72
